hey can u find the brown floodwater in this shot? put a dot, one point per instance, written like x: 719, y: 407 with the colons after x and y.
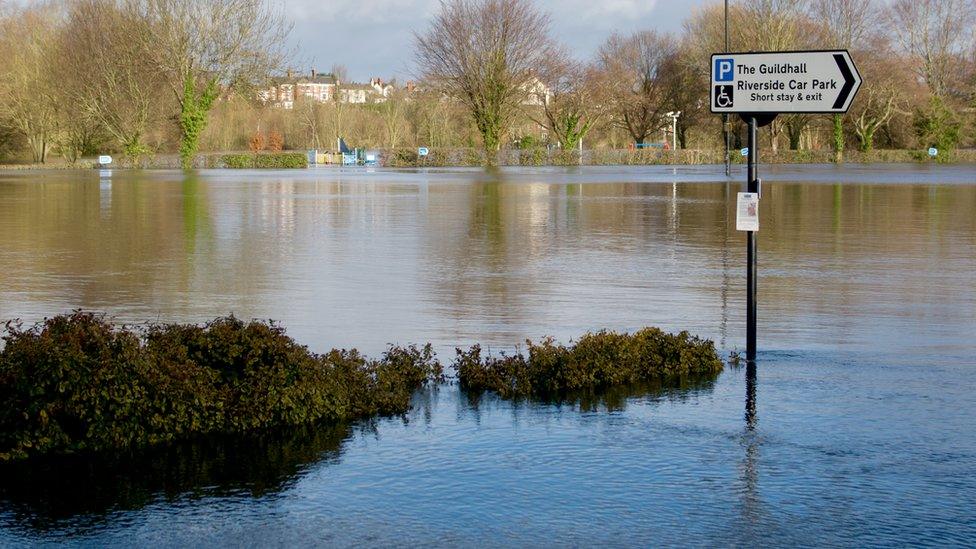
x: 855, y: 258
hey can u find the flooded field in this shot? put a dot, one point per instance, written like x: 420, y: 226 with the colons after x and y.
x: 857, y: 428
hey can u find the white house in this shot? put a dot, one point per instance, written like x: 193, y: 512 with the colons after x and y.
x: 537, y: 93
x: 323, y: 88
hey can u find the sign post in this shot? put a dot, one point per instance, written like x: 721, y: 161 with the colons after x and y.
x: 758, y: 87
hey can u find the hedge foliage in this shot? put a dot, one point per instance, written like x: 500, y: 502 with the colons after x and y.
x: 77, y: 383
x: 273, y: 160
x: 596, y: 361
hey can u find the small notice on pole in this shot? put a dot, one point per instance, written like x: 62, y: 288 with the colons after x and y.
x: 747, y: 212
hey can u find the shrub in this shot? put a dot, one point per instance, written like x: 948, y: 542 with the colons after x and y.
x: 237, y: 161
x: 595, y: 361
x: 281, y: 160
x: 276, y: 141
x: 937, y: 125
x: 265, y: 160
x: 535, y: 156
x: 256, y: 142
x: 527, y: 142
x: 77, y: 383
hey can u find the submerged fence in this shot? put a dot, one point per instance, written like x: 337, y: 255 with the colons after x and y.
x: 650, y: 157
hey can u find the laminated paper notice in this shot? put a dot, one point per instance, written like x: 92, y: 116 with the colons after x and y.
x: 747, y: 212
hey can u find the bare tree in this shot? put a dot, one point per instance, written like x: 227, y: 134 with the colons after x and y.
x: 202, y: 48
x: 391, y: 111
x: 774, y: 25
x: 846, y: 24
x: 686, y: 82
x: 107, y: 73
x: 934, y: 33
x: 886, y: 92
x: 439, y: 121
x: 566, y: 102
x: 635, y: 80
x: 27, y: 98
x: 340, y: 72
x: 309, y: 112
x: 483, y: 52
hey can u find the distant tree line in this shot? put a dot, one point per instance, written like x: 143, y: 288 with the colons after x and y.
x: 917, y: 58
x: 134, y: 76
x: 139, y: 77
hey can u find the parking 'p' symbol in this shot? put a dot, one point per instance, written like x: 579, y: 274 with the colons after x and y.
x: 724, y: 70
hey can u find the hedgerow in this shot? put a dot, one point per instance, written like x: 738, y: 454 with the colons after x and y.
x: 595, y: 361
x: 77, y: 383
x: 273, y: 160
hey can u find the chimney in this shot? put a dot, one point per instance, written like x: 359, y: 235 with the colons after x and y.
x: 288, y: 74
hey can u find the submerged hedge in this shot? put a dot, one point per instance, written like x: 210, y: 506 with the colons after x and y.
x: 595, y: 361
x: 77, y: 383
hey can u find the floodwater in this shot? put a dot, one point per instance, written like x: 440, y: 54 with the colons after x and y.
x: 856, y: 427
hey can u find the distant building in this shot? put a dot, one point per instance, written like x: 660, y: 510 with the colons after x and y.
x: 355, y: 94
x: 285, y: 91
x: 381, y: 89
x: 323, y: 88
x: 537, y: 93
x: 320, y: 87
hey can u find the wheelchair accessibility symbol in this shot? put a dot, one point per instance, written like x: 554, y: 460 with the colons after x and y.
x: 723, y: 97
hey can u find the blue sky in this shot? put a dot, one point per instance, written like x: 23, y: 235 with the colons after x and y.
x: 374, y: 37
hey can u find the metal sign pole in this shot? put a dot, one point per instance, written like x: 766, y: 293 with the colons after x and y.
x: 752, y: 186
x: 758, y: 86
x: 726, y: 127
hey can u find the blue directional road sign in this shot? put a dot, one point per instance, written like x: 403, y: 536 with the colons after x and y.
x: 810, y: 82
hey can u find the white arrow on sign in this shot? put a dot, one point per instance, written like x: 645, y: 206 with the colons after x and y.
x: 810, y: 82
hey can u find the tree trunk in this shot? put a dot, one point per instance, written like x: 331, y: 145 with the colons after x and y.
x: 867, y: 140
x: 838, y: 120
x: 774, y: 131
x: 794, y: 136
x: 195, y: 108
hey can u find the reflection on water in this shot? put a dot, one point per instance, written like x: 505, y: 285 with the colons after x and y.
x: 362, y: 259
x: 83, y: 492
x: 615, y: 399
x: 854, y: 429
x: 751, y: 495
